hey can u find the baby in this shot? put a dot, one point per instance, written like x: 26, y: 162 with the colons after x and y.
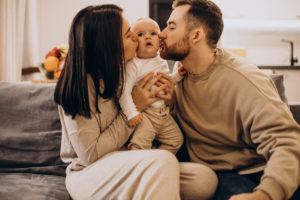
x: 155, y: 121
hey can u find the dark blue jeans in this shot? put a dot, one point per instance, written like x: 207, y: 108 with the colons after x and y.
x: 231, y: 183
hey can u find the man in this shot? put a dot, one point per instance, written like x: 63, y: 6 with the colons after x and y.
x: 230, y: 112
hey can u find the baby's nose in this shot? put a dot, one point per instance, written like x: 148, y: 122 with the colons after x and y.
x: 147, y: 36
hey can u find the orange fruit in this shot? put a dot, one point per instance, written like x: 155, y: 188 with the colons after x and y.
x: 51, y: 63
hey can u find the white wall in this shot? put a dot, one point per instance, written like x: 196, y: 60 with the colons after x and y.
x: 260, y: 9
x: 258, y: 26
x: 55, y: 17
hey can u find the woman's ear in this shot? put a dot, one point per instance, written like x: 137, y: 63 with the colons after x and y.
x: 197, y: 35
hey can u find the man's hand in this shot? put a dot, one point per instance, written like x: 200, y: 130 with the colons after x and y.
x: 168, y: 95
x: 257, y: 195
x: 182, y: 71
x: 135, y: 121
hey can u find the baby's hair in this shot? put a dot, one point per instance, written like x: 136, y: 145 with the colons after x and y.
x: 146, y: 19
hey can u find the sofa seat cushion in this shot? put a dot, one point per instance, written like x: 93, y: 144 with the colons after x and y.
x: 32, y: 187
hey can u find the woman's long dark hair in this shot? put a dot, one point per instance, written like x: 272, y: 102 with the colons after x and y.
x: 95, y: 48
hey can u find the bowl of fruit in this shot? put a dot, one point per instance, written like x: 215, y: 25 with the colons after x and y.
x: 54, y: 61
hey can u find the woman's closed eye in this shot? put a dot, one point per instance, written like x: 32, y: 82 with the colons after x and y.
x: 129, y: 35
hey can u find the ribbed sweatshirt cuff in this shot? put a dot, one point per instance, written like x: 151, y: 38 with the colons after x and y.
x: 271, y: 187
x: 132, y: 115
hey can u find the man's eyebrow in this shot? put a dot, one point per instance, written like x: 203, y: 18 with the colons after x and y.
x: 127, y: 30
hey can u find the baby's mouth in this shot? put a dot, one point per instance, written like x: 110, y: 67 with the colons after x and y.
x: 149, y: 44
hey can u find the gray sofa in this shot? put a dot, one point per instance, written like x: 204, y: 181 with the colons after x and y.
x: 30, y: 133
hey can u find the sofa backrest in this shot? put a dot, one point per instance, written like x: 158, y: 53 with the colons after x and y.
x: 30, y: 129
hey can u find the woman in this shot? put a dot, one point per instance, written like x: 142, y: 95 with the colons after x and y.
x: 93, y: 128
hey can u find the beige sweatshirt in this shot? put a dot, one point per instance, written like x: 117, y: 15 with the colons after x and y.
x: 85, y: 140
x: 233, y: 118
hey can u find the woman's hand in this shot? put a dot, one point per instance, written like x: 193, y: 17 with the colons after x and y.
x: 142, y: 94
x: 168, y: 83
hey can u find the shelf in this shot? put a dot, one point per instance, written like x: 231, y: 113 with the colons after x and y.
x: 279, y: 67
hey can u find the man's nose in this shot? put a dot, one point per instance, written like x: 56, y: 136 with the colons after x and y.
x: 162, y: 34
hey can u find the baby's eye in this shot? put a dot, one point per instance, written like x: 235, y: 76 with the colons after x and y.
x: 153, y: 33
x: 140, y: 34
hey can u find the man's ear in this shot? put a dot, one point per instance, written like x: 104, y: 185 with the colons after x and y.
x: 197, y: 35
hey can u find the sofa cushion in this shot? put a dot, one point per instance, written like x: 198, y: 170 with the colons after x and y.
x: 30, y: 129
x: 32, y: 186
x: 278, y: 80
x: 295, y: 108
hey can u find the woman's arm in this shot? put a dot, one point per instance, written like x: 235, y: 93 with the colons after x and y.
x: 90, y: 139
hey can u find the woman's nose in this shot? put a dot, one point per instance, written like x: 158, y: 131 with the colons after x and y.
x: 134, y: 37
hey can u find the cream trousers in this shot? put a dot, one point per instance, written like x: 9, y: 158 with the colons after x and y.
x: 157, y: 123
x: 141, y: 175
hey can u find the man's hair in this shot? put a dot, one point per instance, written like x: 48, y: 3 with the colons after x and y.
x: 207, y: 14
x: 95, y: 48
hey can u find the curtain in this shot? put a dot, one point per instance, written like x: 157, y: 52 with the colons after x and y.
x: 12, y: 20
x: 31, y: 55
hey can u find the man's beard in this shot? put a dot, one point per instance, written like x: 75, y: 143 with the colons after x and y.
x: 177, y: 51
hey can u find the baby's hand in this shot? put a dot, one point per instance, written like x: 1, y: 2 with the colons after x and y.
x: 136, y: 120
x: 181, y: 71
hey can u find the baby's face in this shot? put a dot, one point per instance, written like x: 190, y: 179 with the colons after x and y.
x: 147, y: 34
